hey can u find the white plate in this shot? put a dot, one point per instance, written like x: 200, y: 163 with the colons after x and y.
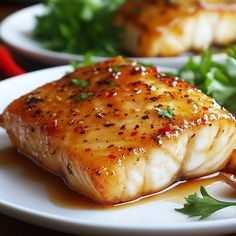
x: 23, y: 198
x: 15, y: 30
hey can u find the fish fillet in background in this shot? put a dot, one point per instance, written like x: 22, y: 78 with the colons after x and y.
x: 169, y: 28
x: 117, y: 130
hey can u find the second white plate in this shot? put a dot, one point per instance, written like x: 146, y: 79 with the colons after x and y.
x: 16, y: 31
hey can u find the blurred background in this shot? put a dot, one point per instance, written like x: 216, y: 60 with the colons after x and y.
x: 7, y: 7
x: 27, y: 2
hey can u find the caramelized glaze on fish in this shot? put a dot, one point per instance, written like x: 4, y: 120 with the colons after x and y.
x: 117, y: 130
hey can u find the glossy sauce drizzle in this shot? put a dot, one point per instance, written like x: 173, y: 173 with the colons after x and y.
x: 62, y: 196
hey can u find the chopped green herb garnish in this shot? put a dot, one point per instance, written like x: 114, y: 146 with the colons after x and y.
x: 146, y: 64
x: 83, y: 96
x: 80, y: 83
x: 74, y: 65
x: 169, y: 112
x: 203, y: 206
x: 87, y: 59
x: 112, y: 84
x: 115, y: 69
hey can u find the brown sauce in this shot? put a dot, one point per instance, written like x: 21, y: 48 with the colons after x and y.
x: 62, y: 196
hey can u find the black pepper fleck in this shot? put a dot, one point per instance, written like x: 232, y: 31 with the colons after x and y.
x: 145, y: 117
x: 68, y: 167
x: 100, y: 115
x: 108, y: 124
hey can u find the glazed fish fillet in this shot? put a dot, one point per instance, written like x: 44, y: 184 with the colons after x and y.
x: 168, y: 28
x: 231, y: 166
x: 117, y: 130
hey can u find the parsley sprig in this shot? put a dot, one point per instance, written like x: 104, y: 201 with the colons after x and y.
x: 79, y: 27
x: 84, y: 96
x: 74, y: 65
x: 203, y: 206
x: 80, y: 83
x: 87, y: 61
x: 169, y: 112
x: 217, y: 80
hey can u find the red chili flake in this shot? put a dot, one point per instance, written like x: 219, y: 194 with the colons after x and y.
x: 143, y: 137
x: 193, y: 87
x: 134, y: 133
x: 111, y: 94
x: 204, y: 121
x: 112, y: 156
x: 87, y: 149
x: 154, y: 70
x: 205, y: 108
x: 97, y: 129
x: 163, y: 130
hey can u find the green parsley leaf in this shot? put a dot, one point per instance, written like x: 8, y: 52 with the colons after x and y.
x: 115, y: 69
x: 80, y: 83
x: 79, y: 27
x: 169, y: 112
x: 74, y: 65
x: 203, y: 206
x: 87, y: 60
x: 84, y: 96
x: 112, y: 84
x: 146, y: 64
x: 217, y: 80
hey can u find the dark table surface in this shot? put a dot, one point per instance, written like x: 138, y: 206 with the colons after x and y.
x: 8, y: 225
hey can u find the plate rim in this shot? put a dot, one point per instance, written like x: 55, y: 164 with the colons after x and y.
x: 40, y: 217
x: 16, y: 211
